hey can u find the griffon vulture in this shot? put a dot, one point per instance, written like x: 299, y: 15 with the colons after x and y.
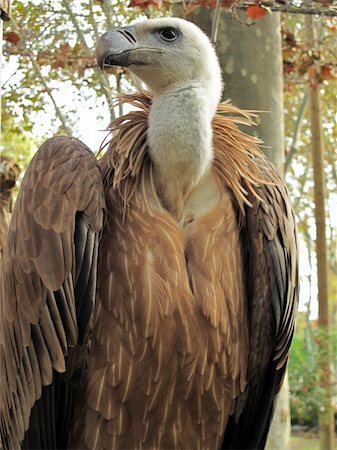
x: 148, y: 299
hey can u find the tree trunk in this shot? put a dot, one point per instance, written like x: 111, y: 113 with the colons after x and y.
x: 280, y: 430
x: 251, y: 61
x: 326, y: 420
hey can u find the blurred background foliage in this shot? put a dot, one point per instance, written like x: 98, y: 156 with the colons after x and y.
x: 305, y: 393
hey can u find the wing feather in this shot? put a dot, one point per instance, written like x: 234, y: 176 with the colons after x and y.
x: 270, y: 243
x: 48, y: 284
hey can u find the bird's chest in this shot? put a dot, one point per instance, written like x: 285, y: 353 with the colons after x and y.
x: 168, y: 326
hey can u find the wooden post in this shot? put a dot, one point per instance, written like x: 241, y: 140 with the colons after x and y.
x: 326, y: 421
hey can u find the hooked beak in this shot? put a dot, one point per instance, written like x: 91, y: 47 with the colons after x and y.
x: 114, y: 47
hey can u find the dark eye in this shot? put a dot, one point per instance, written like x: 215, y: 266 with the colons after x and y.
x: 168, y: 34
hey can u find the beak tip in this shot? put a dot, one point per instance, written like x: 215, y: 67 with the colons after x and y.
x: 113, y: 47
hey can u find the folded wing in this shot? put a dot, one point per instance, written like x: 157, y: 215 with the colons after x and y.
x: 270, y: 244
x: 48, y: 282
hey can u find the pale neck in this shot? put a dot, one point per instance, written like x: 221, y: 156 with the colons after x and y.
x: 207, y: 92
x: 180, y: 141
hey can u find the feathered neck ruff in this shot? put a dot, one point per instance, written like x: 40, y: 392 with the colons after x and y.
x: 238, y: 161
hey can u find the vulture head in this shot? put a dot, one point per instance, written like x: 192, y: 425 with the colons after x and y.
x: 167, y: 54
x: 178, y: 63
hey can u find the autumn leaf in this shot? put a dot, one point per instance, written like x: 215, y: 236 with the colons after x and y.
x: 328, y: 73
x: 331, y: 24
x: 256, y: 11
x: 143, y: 4
x: 288, y: 67
x: 12, y: 36
x: 210, y: 3
x: 61, y: 56
x: 64, y: 48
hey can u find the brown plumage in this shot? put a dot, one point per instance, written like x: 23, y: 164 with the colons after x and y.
x: 194, y: 310
x: 49, y: 260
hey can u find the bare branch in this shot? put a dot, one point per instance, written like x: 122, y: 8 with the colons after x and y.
x: 102, y: 78
x: 215, y: 22
x: 107, y: 12
x: 38, y: 73
x: 59, y: 114
x: 297, y: 130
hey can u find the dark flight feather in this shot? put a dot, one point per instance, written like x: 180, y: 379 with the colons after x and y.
x: 41, y: 322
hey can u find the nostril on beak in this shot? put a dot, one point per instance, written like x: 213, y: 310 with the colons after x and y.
x: 127, y: 34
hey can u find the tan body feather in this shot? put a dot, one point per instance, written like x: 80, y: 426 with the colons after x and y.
x: 164, y: 327
x: 170, y: 339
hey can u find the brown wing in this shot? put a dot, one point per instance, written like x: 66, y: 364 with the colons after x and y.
x: 270, y: 245
x: 47, y: 290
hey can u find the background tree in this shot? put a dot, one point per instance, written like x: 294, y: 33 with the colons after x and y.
x: 50, y: 48
x: 312, y: 66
